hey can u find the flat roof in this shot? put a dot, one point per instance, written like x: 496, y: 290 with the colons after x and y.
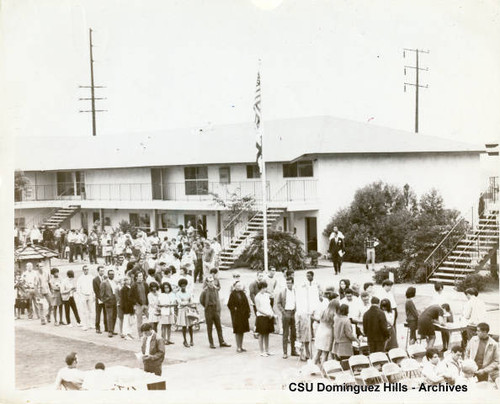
x: 284, y: 140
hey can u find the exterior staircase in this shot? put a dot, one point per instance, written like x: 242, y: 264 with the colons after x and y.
x: 471, y: 252
x: 59, y: 215
x: 243, y: 237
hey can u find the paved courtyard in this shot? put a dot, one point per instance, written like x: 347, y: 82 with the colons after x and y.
x: 199, y: 365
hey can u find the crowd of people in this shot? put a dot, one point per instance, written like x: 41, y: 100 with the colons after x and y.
x: 147, y: 290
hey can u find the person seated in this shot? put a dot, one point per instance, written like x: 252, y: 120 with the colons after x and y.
x: 431, y: 369
x: 97, y: 379
x: 484, y: 351
x: 69, y: 377
x: 452, y: 364
x: 466, y: 376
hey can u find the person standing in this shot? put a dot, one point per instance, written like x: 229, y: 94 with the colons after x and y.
x: 93, y: 241
x: 127, y: 308
x: 286, y: 304
x: 198, y: 269
x: 264, y: 324
x: 411, y: 314
x: 336, y: 249
x: 43, y: 292
x: 108, y: 297
x: 186, y: 306
x: 68, y: 289
x: 84, y: 289
x: 210, y: 300
x: 375, y: 326
x: 138, y: 294
x: 208, y: 258
x: 371, y: 243
x: 71, y: 239
x: 387, y: 293
x: 153, y: 309
x: 392, y: 342
x: 474, y: 312
x: 57, y: 303
x: 99, y: 305
x: 324, y: 332
x: 153, y: 350
x: 240, y: 313
x: 29, y: 278
x: 342, y: 334
x: 167, y: 301
x: 426, y: 321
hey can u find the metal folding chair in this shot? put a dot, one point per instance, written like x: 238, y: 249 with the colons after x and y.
x: 358, y: 362
x: 331, y: 368
x: 371, y: 376
x: 416, y: 351
x: 396, y: 355
x: 345, y: 378
x: 392, y: 372
x: 377, y: 359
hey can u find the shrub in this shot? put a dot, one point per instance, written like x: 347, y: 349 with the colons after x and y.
x: 125, y: 227
x: 383, y: 273
x: 284, y: 250
x: 474, y: 281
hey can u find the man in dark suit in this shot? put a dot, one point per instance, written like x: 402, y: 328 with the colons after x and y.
x: 153, y: 350
x: 108, y: 297
x: 375, y: 327
x: 336, y: 249
x: 99, y: 305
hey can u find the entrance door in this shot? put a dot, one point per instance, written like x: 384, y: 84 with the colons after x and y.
x: 311, y: 234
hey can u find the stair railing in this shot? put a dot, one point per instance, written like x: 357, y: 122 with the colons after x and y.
x: 245, y: 210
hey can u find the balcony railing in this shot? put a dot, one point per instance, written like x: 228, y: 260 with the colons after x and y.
x: 198, y: 190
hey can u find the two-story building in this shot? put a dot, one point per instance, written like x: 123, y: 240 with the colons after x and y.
x: 157, y: 181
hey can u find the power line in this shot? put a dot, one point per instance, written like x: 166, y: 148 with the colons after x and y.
x: 416, y: 84
x: 92, y: 87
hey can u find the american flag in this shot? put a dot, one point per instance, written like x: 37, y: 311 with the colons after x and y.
x: 256, y: 108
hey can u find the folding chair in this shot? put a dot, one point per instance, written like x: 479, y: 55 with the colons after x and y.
x: 345, y: 378
x: 377, y: 359
x: 358, y: 362
x: 331, y: 368
x: 416, y: 351
x: 371, y: 376
x: 411, y: 369
x: 396, y: 355
x: 392, y: 372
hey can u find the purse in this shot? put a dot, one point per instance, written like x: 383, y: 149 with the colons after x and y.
x: 192, y: 313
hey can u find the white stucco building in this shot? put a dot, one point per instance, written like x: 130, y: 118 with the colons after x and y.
x: 160, y: 180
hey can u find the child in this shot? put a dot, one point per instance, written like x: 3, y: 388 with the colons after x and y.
x: 107, y: 252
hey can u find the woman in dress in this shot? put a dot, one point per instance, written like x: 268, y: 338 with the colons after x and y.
x: 411, y: 314
x: 167, y: 301
x: 343, y: 335
x: 240, y: 313
x: 264, y: 324
x: 392, y: 342
x: 343, y: 285
x: 57, y: 303
x: 186, y: 305
x: 426, y: 323
x: 324, y: 332
x: 153, y: 309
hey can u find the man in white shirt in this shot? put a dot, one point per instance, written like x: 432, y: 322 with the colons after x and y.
x: 69, y: 377
x: 474, y: 313
x: 30, y: 278
x: 354, y: 304
x: 287, y: 304
x: 98, y: 379
x: 85, y: 291
x: 72, y: 239
x: 386, y: 293
x: 312, y: 293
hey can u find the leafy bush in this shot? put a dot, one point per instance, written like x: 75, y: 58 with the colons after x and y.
x: 284, y: 250
x: 125, y: 227
x: 383, y: 274
x: 474, y: 281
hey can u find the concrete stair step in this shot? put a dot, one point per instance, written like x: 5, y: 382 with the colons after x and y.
x: 455, y: 270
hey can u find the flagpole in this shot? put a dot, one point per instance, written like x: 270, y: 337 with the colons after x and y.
x: 264, y: 203
x: 261, y: 162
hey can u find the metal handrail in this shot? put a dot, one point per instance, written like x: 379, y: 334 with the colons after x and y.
x: 226, y: 227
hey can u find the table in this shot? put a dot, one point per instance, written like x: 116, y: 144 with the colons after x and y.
x: 126, y: 378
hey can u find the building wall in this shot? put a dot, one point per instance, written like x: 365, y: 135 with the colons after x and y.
x: 455, y: 176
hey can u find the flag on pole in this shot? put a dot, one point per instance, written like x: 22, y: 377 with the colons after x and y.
x: 256, y: 108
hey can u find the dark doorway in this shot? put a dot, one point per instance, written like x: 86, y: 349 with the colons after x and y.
x: 311, y: 234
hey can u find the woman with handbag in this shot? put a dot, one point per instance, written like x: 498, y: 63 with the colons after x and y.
x: 240, y: 313
x: 343, y: 335
x: 264, y: 324
x: 392, y: 342
x: 187, y: 315
x: 57, y: 303
x: 167, y: 301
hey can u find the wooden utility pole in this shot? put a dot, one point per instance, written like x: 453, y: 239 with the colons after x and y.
x: 92, y: 87
x: 417, y: 79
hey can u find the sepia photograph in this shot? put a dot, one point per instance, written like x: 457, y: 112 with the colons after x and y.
x: 250, y: 200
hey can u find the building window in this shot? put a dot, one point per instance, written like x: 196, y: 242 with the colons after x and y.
x: 225, y: 175
x: 196, y: 180
x: 139, y: 220
x: 70, y: 183
x: 168, y: 220
x: 253, y: 171
x: 299, y: 169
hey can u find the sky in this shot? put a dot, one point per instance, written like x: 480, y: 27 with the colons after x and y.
x: 193, y: 63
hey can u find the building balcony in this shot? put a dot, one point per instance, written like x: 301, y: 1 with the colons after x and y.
x: 292, y: 190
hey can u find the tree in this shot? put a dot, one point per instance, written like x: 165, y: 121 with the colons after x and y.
x: 382, y: 209
x: 234, y: 206
x: 21, y: 182
x: 284, y: 250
